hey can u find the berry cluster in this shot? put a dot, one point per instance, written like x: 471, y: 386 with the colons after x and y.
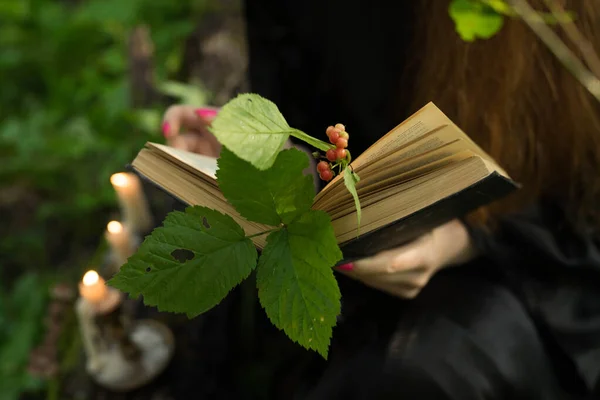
x: 339, y: 137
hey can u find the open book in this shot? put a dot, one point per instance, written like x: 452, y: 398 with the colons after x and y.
x: 423, y: 173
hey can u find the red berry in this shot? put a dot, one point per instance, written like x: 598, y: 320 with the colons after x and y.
x: 326, y: 175
x: 329, y: 129
x: 341, y: 127
x: 331, y: 155
x: 334, y: 136
x: 341, y: 143
x: 322, y: 166
x: 340, y: 154
x: 344, y: 135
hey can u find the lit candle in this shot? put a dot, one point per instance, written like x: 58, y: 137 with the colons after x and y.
x: 118, y: 357
x: 95, y: 299
x: 93, y: 288
x: 93, y: 291
x: 121, y: 242
x: 132, y: 201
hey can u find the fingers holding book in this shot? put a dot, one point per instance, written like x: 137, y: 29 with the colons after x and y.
x: 406, y: 270
x: 186, y: 127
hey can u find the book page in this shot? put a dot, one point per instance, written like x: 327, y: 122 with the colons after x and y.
x: 418, y: 125
x: 398, y: 175
x: 204, y: 164
x: 427, y: 191
x: 433, y: 140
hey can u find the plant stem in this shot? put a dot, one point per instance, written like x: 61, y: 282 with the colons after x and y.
x: 319, y: 144
x: 557, y: 47
x: 262, y: 233
x: 503, y: 8
x: 585, y: 47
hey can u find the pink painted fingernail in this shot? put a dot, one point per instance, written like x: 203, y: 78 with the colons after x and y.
x: 207, y: 113
x: 346, y: 267
x: 166, y: 128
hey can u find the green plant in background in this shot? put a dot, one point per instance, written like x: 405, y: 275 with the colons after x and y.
x: 66, y: 124
x: 21, y: 312
x: 66, y: 117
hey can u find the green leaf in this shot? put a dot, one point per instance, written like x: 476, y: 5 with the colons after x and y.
x: 190, y: 264
x: 253, y: 128
x: 350, y: 180
x: 278, y: 194
x: 296, y: 286
x: 473, y: 19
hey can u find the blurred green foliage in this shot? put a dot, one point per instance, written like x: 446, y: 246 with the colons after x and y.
x: 66, y: 124
x: 65, y: 118
x: 21, y: 314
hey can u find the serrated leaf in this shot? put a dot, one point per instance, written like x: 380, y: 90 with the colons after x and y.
x: 253, y: 128
x: 190, y: 264
x: 473, y: 20
x: 350, y: 180
x: 278, y: 194
x: 296, y: 286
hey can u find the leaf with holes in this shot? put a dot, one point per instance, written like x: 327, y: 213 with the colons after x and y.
x: 473, y: 19
x: 276, y: 195
x: 190, y: 263
x: 296, y: 286
x: 253, y: 128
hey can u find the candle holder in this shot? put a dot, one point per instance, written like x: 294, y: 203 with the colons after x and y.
x: 122, y: 354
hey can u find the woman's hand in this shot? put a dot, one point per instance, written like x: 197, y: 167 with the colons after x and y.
x: 185, y: 127
x: 405, y: 270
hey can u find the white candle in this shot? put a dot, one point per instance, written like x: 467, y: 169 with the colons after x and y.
x: 121, y: 242
x: 93, y: 288
x: 93, y: 291
x: 132, y: 201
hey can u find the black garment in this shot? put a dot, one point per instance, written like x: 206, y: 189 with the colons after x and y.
x: 523, y: 321
x: 464, y: 337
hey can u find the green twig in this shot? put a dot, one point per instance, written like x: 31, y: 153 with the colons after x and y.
x: 584, y: 46
x: 557, y: 47
x: 319, y: 144
x: 503, y: 8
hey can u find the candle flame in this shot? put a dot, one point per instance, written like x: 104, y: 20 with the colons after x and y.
x: 119, y: 179
x: 114, y: 227
x: 90, y: 278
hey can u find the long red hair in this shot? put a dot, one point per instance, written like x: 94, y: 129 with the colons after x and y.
x: 519, y: 103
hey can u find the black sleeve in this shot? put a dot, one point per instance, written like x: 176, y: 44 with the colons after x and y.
x: 540, y: 240
x: 555, y: 270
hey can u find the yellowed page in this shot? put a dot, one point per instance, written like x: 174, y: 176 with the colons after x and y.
x: 380, y: 189
x: 429, y: 190
x: 427, y: 119
x: 188, y: 188
x: 204, y: 164
x: 434, y: 140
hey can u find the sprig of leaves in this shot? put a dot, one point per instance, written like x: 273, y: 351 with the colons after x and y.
x: 191, y: 263
x: 198, y: 256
